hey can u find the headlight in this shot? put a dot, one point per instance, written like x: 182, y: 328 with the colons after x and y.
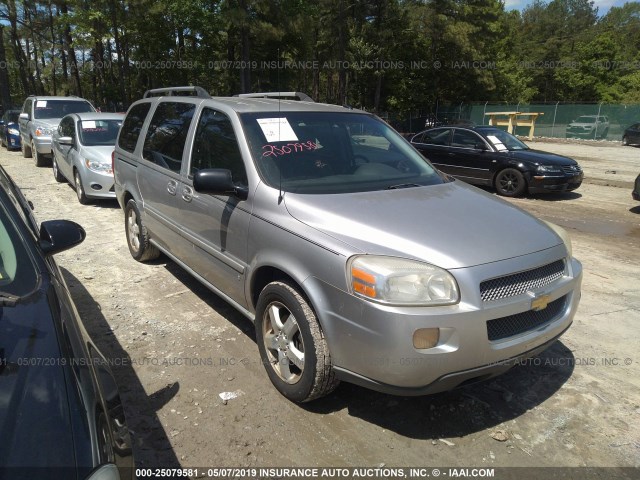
x: 13, y: 131
x: 549, y: 169
x: 562, y: 233
x: 42, y: 131
x: 398, y: 281
x: 98, y: 166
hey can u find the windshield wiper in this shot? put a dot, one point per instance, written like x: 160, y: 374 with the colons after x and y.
x: 403, y: 185
x: 8, y: 300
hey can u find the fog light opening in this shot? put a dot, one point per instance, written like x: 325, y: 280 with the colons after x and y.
x: 426, y: 338
x: 96, y: 186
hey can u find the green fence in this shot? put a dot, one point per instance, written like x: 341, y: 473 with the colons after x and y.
x: 554, y: 121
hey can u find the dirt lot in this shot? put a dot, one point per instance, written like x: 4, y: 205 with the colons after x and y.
x: 179, y: 346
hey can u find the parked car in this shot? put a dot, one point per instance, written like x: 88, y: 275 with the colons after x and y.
x: 589, y: 126
x: 59, y: 404
x: 82, y: 148
x: 9, y: 130
x: 636, y: 189
x: 631, y: 135
x: 356, y: 259
x: 40, y: 117
x: 489, y: 156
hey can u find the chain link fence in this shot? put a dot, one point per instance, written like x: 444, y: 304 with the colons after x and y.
x: 594, y: 121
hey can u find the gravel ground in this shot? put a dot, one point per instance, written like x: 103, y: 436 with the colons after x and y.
x: 176, y: 346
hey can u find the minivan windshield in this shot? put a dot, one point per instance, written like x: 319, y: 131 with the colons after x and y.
x: 329, y: 152
x: 59, y: 108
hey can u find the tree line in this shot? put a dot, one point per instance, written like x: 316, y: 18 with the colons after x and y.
x: 381, y: 55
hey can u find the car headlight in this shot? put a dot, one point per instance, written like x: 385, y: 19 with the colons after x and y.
x: 13, y: 131
x: 398, y: 281
x: 549, y: 169
x: 562, y: 233
x: 43, y: 132
x: 98, y: 166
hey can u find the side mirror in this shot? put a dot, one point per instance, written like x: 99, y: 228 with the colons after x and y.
x: 481, y: 146
x: 59, y: 235
x: 65, y: 140
x: 25, y: 116
x: 1, y: 122
x: 217, y: 181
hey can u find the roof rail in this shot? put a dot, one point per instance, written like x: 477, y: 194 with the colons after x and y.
x: 171, y: 91
x: 302, y: 97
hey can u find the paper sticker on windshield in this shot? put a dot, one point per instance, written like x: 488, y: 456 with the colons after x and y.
x: 496, y: 142
x: 86, y: 124
x: 277, y: 130
x: 41, y: 104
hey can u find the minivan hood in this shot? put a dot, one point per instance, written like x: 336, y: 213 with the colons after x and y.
x: 542, y: 158
x: 451, y: 225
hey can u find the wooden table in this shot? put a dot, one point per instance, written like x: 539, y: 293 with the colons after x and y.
x: 514, y: 119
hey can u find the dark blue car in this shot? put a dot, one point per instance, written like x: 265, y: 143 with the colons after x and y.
x: 60, y: 411
x: 9, y: 130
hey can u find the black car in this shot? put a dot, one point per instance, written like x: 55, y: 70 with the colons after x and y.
x: 636, y: 189
x: 631, y: 135
x: 489, y: 156
x: 10, y: 130
x: 60, y: 411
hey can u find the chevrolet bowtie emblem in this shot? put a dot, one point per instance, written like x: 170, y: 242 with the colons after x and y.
x: 540, y: 303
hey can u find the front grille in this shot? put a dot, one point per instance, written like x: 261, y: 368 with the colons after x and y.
x: 523, y: 322
x: 519, y: 283
x: 571, y: 169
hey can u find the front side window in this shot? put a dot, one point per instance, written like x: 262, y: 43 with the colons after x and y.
x: 167, y: 134
x: 215, y: 146
x: 465, y: 139
x: 98, y: 132
x: 18, y: 275
x: 327, y: 152
x: 59, y: 108
x: 132, y: 126
x: 66, y: 128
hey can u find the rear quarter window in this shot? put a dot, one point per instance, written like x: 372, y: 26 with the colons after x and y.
x: 132, y: 126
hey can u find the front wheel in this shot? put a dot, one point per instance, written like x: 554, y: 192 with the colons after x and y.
x: 625, y: 141
x: 26, y: 150
x: 292, y: 345
x: 38, y: 158
x: 137, y: 237
x: 510, y: 183
x: 82, y: 197
x: 56, y: 171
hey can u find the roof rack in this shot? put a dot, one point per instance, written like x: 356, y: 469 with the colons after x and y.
x: 302, y: 97
x: 172, y: 91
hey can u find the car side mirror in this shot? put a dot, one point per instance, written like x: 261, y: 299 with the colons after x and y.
x: 217, y: 181
x: 1, y: 122
x: 65, y: 140
x: 59, y: 235
x: 25, y: 116
x: 481, y: 146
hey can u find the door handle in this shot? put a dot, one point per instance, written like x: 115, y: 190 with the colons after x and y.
x: 451, y: 154
x: 187, y: 194
x: 172, y: 187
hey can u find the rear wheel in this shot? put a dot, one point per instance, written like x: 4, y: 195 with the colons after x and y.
x: 38, y: 158
x: 26, y: 150
x: 137, y: 236
x: 56, y: 172
x: 292, y: 345
x: 510, y: 183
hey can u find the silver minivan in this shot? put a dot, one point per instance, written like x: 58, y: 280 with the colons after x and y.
x: 355, y: 258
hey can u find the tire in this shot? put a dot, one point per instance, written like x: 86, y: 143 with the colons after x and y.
x: 292, y: 346
x: 510, y: 183
x: 26, y: 150
x: 137, y: 235
x: 82, y: 196
x: 38, y: 159
x: 56, y: 172
x: 625, y: 141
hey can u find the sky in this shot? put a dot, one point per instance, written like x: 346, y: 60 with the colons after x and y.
x: 603, y: 5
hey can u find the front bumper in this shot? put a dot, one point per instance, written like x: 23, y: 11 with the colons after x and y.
x: 43, y: 145
x: 96, y: 184
x: 371, y: 344
x: 561, y: 183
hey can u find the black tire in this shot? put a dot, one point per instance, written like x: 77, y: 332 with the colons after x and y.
x: 137, y: 235
x: 510, y: 183
x: 82, y: 197
x: 292, y: 346
x: 38, y: 159
x: 56, y: 171
x: 26, y: 150
x: 625, y: 141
